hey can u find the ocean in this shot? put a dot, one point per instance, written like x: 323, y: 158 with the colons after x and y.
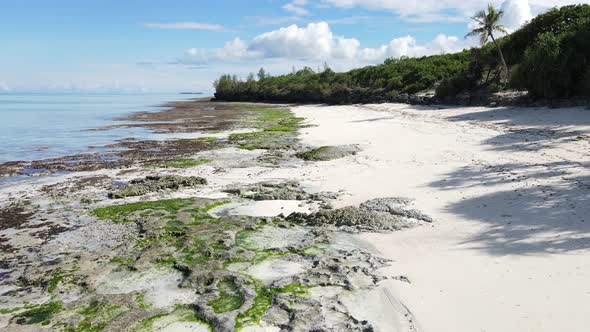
x: 43, y: 125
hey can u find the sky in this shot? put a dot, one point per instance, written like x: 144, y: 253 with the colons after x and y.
x: 183, y: 45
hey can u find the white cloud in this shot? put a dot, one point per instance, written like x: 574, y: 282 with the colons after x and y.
x: 185, y: 26
x: 316, y: 42
x: 297, y: 7
x: 4, y: 86
x: 234, y: 50
x: 433, y: 10
x: 516, y: 13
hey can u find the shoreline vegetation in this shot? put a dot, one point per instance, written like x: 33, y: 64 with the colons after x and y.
x: 548, y: 63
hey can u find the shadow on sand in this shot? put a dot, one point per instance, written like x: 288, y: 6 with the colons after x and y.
x: 549, y: 210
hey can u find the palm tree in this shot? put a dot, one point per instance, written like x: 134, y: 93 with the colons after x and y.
x: 488, y: 24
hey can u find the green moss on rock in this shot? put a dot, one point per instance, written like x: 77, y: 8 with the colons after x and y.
x: 153, y: 183
x: 229, y: 299
x: 118, y: 213
x: 183, y: 163
x: 41, y: 314
x: 325, y: 153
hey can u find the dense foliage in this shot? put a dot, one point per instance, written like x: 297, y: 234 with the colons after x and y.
x: 557, y: 65
x: 404, y: 75
x: 550, y: 57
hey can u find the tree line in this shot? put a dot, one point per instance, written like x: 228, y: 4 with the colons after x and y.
x: 549, y: 57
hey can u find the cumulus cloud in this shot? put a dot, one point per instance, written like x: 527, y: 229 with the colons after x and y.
x: 235, y: 49
x: 317, y: 42
x: 516, y: 13
x: 185, y: 26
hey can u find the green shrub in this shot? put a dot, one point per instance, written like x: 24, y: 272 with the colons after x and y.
x: 452, y: 86
x: 550, y: 56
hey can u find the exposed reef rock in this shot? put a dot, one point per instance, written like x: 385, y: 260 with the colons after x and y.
x: 395, y: 206
x: 154, y: 183
x: 290, y: 190
x: 378, y: 215
x: 325, y: 153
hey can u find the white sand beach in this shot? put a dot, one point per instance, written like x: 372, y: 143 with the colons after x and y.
x: 509, y: 190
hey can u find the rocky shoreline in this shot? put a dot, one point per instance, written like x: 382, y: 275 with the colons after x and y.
x: 184, y: 234
x: 499, y: 99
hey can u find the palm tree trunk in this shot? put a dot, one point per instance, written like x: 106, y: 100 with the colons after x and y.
x: 500, y: 53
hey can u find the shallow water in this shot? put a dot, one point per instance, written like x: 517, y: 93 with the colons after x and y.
x: 43, y: 125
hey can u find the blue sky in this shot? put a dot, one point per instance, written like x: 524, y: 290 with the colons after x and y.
x: 183, y: 45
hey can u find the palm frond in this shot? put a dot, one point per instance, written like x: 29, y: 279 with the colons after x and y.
x: 501, y: 28
x: 481, y: 15
x: 478, y: 20
x: 488, y: 21
x: 484, y: 37
x: 475, y: 32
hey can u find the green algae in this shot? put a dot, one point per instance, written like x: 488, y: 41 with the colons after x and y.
x: 140, y: 299
x: 253, y: 315
x: 313, y: 251
x: 182, y: 313
x: 229, y: 299
x: 202, y: 214
x: 314, y: 154
x: 124, y: 263
x: 6, y: 311
x: 263, y: 301
x: 325, y: 153
x: 183, y: 163
x: 40, y: 314
x: 95, y: 317
x: 118, y: 213
x: 56, y: 277
x: 278, y: 129
x: 202, y: 249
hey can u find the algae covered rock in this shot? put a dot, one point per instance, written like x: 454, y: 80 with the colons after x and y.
x: 395, y: 206
x: 289, y: 191
x: 378, y: 215
x: 152, y: 183
x: 326, y: 153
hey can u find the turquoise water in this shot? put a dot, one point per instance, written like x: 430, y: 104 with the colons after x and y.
x: 42, y: 125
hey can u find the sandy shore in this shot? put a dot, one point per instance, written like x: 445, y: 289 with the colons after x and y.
x: 508, y: 250
x: 509, y: 190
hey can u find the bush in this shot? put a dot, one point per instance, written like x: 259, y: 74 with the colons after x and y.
x: 540, y: 71
x: 451, y: 87
x: 550, y: 57
x: 556, y: 65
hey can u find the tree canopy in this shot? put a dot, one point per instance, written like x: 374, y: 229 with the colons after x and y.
x: 549, y: 57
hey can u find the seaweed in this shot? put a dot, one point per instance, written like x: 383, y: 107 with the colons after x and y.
x: 118, y: 213
x: 41, y: 314
x: 278, y: 129
x: 229, y: 299
x: 183, y: 163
